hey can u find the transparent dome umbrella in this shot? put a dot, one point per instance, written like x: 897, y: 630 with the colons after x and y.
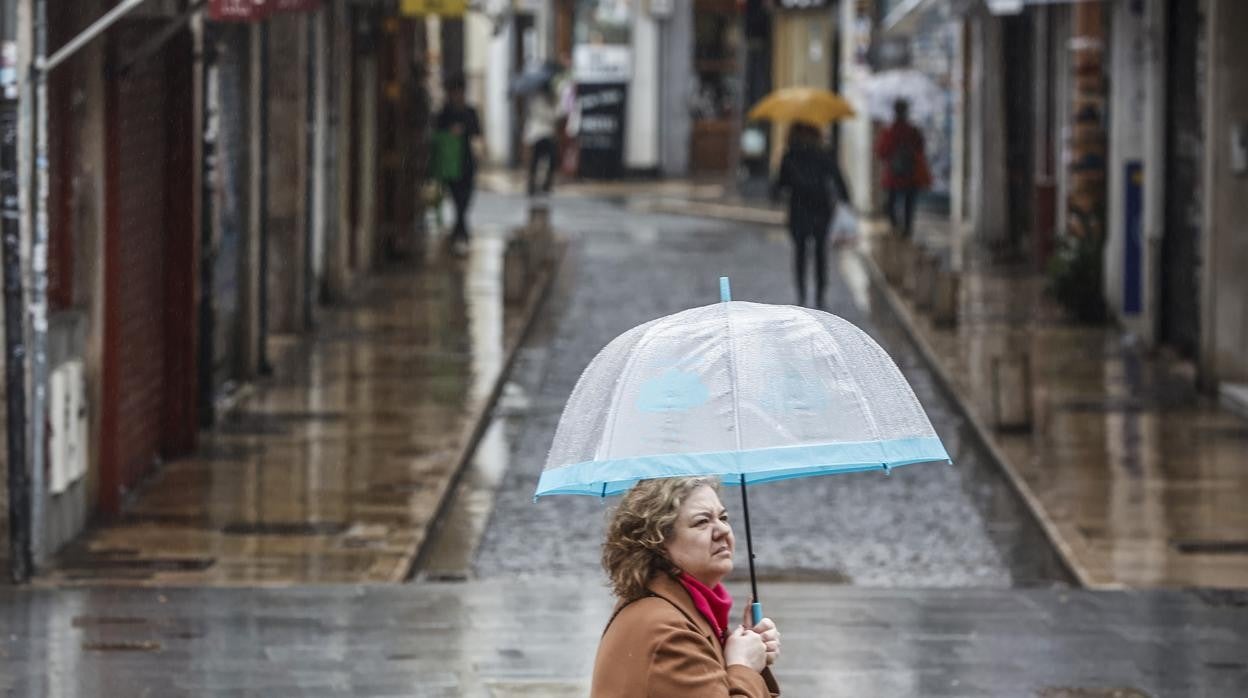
x: 925, y: 98
x: 745, y: 392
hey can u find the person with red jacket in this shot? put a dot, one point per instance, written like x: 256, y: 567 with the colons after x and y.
x: 900, y: 147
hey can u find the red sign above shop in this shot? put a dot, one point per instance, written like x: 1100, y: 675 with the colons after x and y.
x: 256, y: 10
x: 237, y: 10
x: 293, y: 5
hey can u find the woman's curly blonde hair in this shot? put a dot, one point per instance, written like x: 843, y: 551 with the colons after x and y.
x: 633, y: 551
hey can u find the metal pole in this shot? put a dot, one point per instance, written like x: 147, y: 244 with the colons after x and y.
x: 262, y: 332
x: 332, y: 89
x: 96, y: 28
x: 14, y: 327
x: 309, y: 187
x: 39, y: 285
x: 207, y: 248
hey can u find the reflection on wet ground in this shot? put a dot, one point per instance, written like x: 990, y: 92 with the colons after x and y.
x: 1141, y: 479
x: 331, y: 470
x: 537, y: 637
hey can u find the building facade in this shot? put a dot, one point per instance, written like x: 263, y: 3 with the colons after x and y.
x: 216, y: 173
x: 1117, y: 121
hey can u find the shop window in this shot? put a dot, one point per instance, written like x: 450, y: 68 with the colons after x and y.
x: 714, y: 102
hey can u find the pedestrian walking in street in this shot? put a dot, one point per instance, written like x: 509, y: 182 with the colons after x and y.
x: 900, y: 147
x: 460, y: 129
x: 814, y: 182
x: 539, y: 136
x: 668, y: 547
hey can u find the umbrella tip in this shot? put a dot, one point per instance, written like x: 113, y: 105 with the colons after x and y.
x: 725, y: 291
x: 888, y: 470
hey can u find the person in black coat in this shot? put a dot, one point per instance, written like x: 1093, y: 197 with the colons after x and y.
x: 810, y: 175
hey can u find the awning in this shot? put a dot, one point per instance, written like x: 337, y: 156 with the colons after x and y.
x: 906, y: 16
x: 1013, y: 7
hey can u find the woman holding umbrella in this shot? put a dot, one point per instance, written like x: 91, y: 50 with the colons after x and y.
x: 669, y: 545
x: 732, y: 393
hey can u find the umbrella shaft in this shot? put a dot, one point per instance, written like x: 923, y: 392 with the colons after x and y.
x: 749, y: 542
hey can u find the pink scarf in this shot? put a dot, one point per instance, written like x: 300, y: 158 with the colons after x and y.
x: 714, y: 604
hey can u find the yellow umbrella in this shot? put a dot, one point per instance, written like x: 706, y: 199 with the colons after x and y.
x: 806, y: 104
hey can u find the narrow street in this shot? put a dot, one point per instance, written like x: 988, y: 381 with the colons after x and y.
x: 933, y: 581
x: 296, y: 293
x: 929, y: 526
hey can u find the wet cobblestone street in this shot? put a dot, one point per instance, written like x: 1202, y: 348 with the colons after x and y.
x: 929, y: 526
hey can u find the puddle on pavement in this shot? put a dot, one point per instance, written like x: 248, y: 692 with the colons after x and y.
x: 453, y: 541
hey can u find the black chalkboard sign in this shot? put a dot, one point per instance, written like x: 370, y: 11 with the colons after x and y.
x: 601, y: 133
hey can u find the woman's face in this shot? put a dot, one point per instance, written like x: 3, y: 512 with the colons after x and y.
x: 701, y: 543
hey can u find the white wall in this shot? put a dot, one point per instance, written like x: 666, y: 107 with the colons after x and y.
x: 494, y: 55
x: 641, y: 137
x: 1224, y: 285
x: 1135, y: 135
x: 676, y: 77
x: 856, y: 140
x: 987, y: 182
x: 1155, y: 167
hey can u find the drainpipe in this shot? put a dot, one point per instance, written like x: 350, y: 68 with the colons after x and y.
x: 207, y: 251
x: 39, y: 281
x: 330, y: 190
x: 309, y: 188
x: 265, y: 368
x: 14, y: 312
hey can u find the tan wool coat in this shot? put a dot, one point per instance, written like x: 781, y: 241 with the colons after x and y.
x: 660, y: 646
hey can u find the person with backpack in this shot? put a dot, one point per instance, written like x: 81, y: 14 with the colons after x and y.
x: 900, y: 148
x: 539, y: 136
x: 814, y: 182
x: 457, y: 135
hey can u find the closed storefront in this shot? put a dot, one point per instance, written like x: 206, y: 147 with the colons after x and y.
x: 149, y: 377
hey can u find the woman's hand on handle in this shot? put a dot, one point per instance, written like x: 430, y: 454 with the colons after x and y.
x: 745, y: 647
x: 767, y: 631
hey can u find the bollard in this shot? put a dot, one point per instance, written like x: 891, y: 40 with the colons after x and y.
x: 945, y: 302
x: 879, y: 252
x: 910, y: 268
x: 925, y: 282
x: 1011, y: 393
x: 538, y: 236
x: 515, y: 270
x: 892, y: 259
x: 539, y: 215
x: 541, y: 247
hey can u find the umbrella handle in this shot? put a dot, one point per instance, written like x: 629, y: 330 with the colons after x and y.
x: 756, y: 609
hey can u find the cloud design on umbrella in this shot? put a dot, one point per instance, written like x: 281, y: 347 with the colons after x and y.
x: 672, y: 391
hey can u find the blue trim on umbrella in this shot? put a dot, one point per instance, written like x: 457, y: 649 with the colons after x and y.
x: 609, y: 477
